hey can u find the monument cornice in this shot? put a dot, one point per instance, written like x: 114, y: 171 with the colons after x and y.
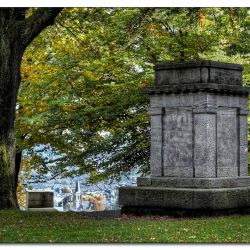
x: 199, y: 87
x: 197, y: 64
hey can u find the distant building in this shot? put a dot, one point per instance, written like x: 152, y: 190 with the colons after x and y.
x: 77, y: 198
x: 74, y: 196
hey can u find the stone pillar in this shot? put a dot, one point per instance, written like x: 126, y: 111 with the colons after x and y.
x: 205, y: 160
x: 227, y: 142
x: 156, y: 141
x: 243, y: 142
x: 198, y: 159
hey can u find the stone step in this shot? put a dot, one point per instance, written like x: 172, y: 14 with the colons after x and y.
x: 194, y: 182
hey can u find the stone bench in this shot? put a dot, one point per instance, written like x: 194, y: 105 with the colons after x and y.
x: 40, y: 201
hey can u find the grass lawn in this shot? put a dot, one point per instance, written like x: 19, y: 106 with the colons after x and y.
x: 17, y: 226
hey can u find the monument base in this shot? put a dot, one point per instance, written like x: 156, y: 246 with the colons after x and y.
x: 159, y: 211
x: 173, y: 182
x: 187, y: 193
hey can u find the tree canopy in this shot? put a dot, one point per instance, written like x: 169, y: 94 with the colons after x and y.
x: 81, y: 106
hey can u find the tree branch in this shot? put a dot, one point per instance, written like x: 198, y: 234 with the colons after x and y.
x: 33, y: 25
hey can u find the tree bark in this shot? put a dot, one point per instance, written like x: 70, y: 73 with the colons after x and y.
x: 16, y: 33
x: 18, y: 160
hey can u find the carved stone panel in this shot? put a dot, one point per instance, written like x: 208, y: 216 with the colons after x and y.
x: 178, y: 142
x: 227, y: 142
x: 178, y: 76
x: 156, y: 142
x: 225, y: 76
x: 243, y: 171
x: 205, y: 145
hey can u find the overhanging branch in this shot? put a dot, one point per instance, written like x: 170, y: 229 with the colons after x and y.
x: 38, y: 21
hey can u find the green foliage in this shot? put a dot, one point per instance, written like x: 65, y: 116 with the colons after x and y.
x: 54, y: 227
x: 83, y: 78
x: 4, y: 154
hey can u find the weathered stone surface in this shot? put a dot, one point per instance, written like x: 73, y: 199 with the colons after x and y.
x: 226, y: 182
x: 185, y: 198
x: 144, y: 181
x: 127, y: 198
x: 199, y: 87
x: 225, y: 76
x: 204, y: 72
x: 39, y: 199
x: 243, y: 102
x: 156, y: 142
x: 205, y: 145
x: 198, y: 139
x: 177, y: 142
x: 227, y: 142
x: 193, y: 100
x: 243, y: 146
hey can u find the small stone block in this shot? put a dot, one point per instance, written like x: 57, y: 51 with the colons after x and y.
x: 39, y: 199
x: 143, y: 181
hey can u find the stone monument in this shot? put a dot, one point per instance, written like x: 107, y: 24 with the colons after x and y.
x: 199, y: 144
x: 40, y: 200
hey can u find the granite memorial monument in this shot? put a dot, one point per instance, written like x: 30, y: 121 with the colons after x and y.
x: 199, y: 146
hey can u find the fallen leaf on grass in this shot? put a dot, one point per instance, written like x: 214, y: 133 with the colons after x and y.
x: 192, y: 237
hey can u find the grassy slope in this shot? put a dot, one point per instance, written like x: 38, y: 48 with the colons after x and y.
x: 16, y: 226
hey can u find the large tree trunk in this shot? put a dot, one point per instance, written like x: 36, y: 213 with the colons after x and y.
x: 11, y: 55
x: 16, y: 33
x: 18, y: 161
